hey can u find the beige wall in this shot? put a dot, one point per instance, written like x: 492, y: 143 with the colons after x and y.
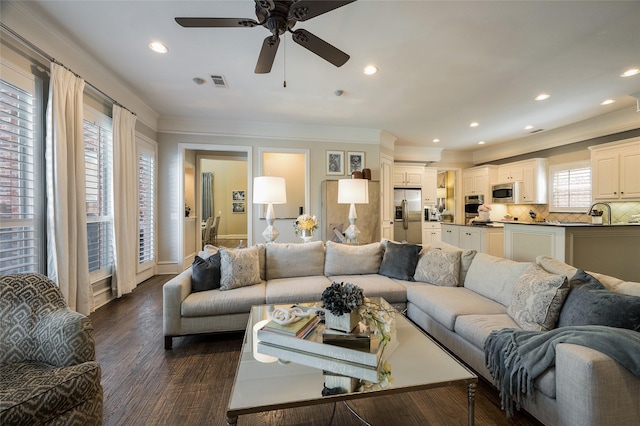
x: 228, y: 175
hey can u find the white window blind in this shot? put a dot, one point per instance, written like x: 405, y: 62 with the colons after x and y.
x: 98, y: 148
x: 21, y: 176
x: 570, y: 187
x: 146, y: 206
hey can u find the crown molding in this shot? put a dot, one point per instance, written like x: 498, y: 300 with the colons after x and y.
x: 417, y: 154
x: 265, y: 130
x: 607, y: 124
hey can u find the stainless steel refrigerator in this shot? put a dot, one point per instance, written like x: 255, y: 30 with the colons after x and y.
x: 407, y: 225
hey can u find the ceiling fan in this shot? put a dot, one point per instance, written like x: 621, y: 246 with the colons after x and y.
x: 279, y: 16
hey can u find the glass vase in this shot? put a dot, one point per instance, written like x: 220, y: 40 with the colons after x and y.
x: 306, y: 235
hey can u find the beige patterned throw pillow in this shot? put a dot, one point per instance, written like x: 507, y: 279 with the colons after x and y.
x: 537, y: 299
x: 239, y: 267
x: 439, y: 267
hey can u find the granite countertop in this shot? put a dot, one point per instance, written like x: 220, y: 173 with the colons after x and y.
x: 567, y: 224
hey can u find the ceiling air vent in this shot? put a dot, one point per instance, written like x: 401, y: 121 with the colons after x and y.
x: 219, y: 81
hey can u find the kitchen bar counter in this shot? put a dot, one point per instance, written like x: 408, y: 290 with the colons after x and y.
x: 609, y: 249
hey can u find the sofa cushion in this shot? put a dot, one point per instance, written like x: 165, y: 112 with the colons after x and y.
x: 239, y: 267
x: 476, y: 328
x: 439, y: 267
x: 344, y: 259
x: 294, y: 260
x: 537, y: 299
x: 208, y: 250
x: 217, y: 302
x: 494, y: 277
x: 611, y: 283
x: 590, y: 303
x: 400, y: 260
x: 296, y: 290
x: 205, y: 273
x: 374, y: 285
x: 445, y: 304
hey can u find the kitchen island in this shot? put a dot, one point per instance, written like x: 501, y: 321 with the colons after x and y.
x: 484, y: 238
x: 609, y: 249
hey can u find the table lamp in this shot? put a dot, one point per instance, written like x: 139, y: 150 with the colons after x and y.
x: 269, y: 190
x: 353, y: 191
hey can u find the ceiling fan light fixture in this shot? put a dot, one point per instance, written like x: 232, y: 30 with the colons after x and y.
x: 630, y: 72
x: 370, y: 70
x: 158, y: 47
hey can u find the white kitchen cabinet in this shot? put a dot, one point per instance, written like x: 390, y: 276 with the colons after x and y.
x: 431, y: 233
x: 533, y: 174
x: 478, y: 180
x: 483, y: 239
x: 430, y: 186
x: 615, y: 172
x: 407, y: 176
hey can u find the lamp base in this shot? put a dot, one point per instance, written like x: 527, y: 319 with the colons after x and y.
x: 352, y: 234
x: 270, y: 234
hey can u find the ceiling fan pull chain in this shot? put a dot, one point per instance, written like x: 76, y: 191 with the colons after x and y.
x: 284, y: 68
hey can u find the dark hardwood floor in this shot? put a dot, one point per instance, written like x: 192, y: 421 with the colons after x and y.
x: 190, y: 385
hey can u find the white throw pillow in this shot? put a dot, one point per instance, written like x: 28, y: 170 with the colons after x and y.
x: 239, y: 267
x: 537, y: 299
x: 343, y: 259
x: 494, y: 277
x: 439, y: 267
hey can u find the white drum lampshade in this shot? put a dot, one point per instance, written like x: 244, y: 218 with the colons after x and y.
x: 353, y: 191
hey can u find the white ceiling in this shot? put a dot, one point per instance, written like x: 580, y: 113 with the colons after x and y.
x: 443, y: 64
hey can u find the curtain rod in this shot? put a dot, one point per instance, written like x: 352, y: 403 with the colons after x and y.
x: 50, y: 58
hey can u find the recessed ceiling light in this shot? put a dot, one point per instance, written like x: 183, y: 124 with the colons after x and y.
x: 481, y: 143
x: 474, y: 124
x: 607, y: 102
x: 199, y: 81
x: 156, y: 46
x: 631, y: 72
x: 529, y: 127
x: 370, y: 70
x: 542, y: 96
x: 436, y: 140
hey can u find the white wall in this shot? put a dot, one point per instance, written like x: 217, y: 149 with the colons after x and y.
x: 170, y: 179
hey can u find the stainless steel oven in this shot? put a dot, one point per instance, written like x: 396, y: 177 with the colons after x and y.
x: 471, y: 204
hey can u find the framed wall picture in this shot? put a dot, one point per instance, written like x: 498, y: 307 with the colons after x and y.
x: 335, y: 163
x: 238, y: 207
x: 237, y: 195
x: 355, y: 161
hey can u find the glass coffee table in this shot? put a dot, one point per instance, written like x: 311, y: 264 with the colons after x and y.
x: 415, y: 362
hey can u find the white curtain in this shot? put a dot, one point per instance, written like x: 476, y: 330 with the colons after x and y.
x: 125, y: 203
x: 67, y: 258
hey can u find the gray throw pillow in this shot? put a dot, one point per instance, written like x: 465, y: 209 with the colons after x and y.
x: 537, y: 299
x: 399, y: 261
x: 590, y: 303
x: 239, y: 267
x: 205, y: 273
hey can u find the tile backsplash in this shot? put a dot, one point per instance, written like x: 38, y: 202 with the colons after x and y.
x: 620, y: 212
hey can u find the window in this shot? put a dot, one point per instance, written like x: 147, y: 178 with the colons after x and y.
x: 98, y: 148
x: 570, y: 187
x: 22, y: 201
x: 146, y: 206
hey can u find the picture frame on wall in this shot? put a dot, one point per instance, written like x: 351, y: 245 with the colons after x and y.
x: 335, y: 163
x: 238, y: 207
x: 238, y: 195
x: 355, y: 161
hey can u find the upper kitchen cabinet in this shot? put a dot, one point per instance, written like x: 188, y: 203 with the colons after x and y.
x: 430, y: 186
x: 615, y: 171
x: 478, y: 180
x: 533, y: 174
x: 407, y: 176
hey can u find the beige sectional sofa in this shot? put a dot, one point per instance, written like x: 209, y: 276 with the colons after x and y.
x: 457, y: 296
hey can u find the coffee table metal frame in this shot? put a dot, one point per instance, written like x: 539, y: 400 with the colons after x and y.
x: 420, y: 363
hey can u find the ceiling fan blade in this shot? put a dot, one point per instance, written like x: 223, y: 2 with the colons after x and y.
x: 216, y: 22
x: 320, y: 47
x: 307, y: 9
x: 267, y: 54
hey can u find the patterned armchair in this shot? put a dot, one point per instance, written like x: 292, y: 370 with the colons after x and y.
x: 48, y: 371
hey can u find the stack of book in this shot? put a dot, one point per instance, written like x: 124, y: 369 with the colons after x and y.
x: 299, y: 329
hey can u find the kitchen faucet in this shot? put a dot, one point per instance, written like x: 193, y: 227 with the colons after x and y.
x: 608, y: 210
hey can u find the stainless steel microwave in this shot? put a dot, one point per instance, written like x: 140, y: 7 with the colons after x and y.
x: 507, y: 193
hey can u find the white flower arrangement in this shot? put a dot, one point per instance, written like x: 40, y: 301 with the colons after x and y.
x: 305, y: 222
